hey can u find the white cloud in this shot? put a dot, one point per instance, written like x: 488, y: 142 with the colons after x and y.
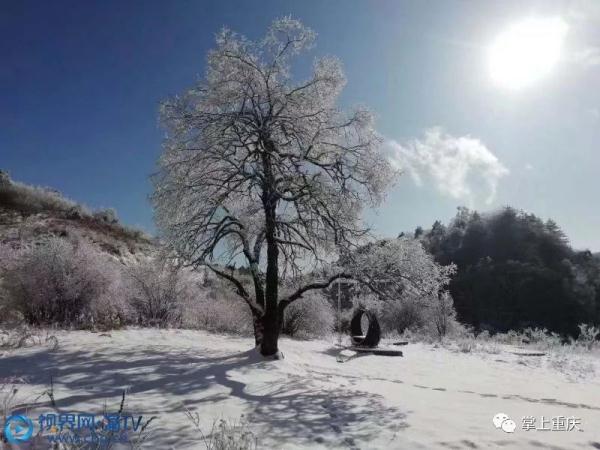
x: 584, y: 11
x: 588, y: 57
x: 459, y: 167
x: 584, y: 16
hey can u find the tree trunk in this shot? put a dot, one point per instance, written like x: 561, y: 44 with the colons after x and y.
x: 258, y: 330
x: 271, y: 325
x: 268, y: 329
x: 270, y: 319
x: 270, y: 336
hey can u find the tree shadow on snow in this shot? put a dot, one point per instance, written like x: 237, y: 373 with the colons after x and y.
x: 292, y: 407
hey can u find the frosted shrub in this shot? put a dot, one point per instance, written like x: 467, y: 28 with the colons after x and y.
x: 432, y: 320
x: 225, y: 434
x: 541, y: 338
x: 160, y: 294
x: 309, y: 316
x: 156, y: 292
x: 33, y: 199
x: 9, y: 400
x: 440, y: 315
x: 56, y: 282
x: 214, y: 307
x: 588, y: 336
x: 404, y: 315
x: 8, y: 257
x: 511, y: 337
x: 108, y: 215
x: 466, y: 345
x: 110, y: 309
x: 25, y: 336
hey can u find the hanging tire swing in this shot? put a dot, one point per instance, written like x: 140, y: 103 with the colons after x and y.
x: 373, y: 335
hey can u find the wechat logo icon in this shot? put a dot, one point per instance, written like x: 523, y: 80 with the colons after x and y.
x: 501, y: 420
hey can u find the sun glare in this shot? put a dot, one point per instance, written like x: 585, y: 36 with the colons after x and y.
x: 526, y: 51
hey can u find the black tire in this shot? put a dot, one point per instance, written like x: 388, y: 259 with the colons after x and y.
x: 372, y: 337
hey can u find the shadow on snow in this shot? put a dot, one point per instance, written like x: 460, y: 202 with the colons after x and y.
x: 291, y: 407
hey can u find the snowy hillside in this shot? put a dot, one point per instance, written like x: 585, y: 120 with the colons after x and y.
x: 30, y: 212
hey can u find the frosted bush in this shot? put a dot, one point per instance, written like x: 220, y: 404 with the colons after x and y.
x: 156, y: 292
x: 484, y: 336
x: 432, y: 321
x: 541, y: 338
x: 511, y: 337
x: 108, y: 215
x: 25, y: 336
x: 225, y: 434
x: 404, y: 315
x: 56, y: 282
x: 466, y: 345
x: 309, y: 316
x: 8, y: 257
x: 588, y: 336
x: 440, y: 316
x: 574, y: 366
x: 110, y: 309
x: 34, y: 199
x: 214, y: 307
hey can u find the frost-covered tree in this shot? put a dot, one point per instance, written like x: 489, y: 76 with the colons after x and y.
x: 257, y: 163
x: 388, y: 266
x: 399, y: 276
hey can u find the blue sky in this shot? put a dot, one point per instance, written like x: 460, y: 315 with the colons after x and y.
x: 80, y: 84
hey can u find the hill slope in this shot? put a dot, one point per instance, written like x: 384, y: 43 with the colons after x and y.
x: 28, y: 213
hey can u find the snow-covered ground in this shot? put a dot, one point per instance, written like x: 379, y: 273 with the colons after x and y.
x: 430, y: 398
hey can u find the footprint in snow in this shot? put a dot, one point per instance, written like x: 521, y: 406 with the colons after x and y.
x: 349, y: 441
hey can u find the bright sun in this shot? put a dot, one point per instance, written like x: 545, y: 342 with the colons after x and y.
x: 526, y: 51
